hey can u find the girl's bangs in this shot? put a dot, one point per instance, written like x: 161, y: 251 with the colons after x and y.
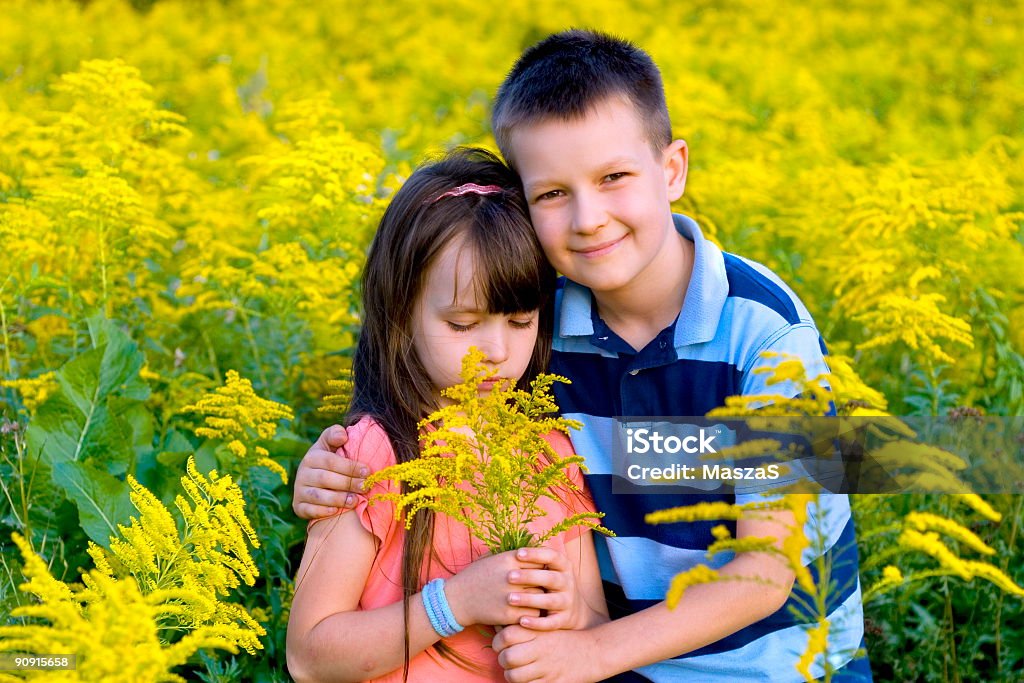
x: 511, y: 273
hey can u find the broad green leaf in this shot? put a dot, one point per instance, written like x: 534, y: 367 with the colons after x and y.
x: 103, y: 501
x: 59, y: 432
x: 95, y: 414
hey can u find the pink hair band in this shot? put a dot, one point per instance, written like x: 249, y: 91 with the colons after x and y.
x: 470, y: 188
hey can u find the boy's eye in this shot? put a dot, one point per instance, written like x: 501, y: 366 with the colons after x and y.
x: 548, y: 195
x: 615, y: 176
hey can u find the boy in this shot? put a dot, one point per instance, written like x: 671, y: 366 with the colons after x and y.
x: 652, y: 320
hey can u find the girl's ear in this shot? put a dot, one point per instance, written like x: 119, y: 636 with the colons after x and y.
x: 675, y: 161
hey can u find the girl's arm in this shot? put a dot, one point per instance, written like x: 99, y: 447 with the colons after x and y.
x: 330, y: 639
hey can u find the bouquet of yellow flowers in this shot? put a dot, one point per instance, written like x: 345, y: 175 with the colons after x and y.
x: 485, y: 462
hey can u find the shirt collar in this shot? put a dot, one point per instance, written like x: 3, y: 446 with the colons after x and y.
x: 702, y: 307
x: 707, y: 290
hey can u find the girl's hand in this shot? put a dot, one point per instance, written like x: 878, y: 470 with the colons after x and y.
x: 559, y: 597
x: 479, y: 594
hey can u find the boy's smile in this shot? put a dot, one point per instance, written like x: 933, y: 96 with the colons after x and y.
x: 600, y: 199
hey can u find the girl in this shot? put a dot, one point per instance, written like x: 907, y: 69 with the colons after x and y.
x: 454, y: 264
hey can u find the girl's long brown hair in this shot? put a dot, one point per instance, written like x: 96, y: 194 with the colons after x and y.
x: 512, y: 276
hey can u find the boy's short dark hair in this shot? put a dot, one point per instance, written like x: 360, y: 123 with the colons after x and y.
x: 565, y: 75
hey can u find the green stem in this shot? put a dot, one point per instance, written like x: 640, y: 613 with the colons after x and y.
x: 75, y: 313
x: 212, y: 355
x: 255, y: 348
x: 932, y: 377
x: 7, y: 494
x: 103, y: 268
x: 3, y: 326
x: 1002, y: 594
x: 950, y: 633
x: 10, y: 581
x: 26, y: 525
x: 824, y: 584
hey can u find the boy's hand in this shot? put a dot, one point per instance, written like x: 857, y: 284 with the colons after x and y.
x: 327, y: 480
x: 479, y: 593
x: 560, y: 599
x: 540, y: 657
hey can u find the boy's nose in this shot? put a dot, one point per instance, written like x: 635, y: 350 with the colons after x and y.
x: 589, y: 215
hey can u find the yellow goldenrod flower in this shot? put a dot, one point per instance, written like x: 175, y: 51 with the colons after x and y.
x: 926, y: 521
x: 979, y: 505
x: 192, y: 569
x: 693, y: 513
x: 748, y: 449
x: 691, y: 577
x: 794, y: 544
x: 119, y: 626
x: 35, y: 390
x: 484, y: 461
x: 921, y: 459
x: 891, y: 578
x: 817, y: 644
x: 337, y: 402
x: 995, y: 575
x: 235, y: 415
x: 930, y: 544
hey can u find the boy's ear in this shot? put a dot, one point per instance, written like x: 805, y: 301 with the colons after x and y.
x: 675, y: 160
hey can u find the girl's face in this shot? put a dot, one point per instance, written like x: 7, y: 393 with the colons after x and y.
x: 448, y: 320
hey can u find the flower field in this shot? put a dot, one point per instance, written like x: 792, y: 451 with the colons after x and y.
x: 187, y: 189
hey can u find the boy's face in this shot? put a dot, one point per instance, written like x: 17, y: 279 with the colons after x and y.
x: 599, y: 195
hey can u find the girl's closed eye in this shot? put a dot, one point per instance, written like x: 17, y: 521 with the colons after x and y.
x: 519, y: 323
x: 460, y: 327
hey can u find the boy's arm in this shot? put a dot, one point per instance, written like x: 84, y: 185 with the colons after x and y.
x: 594, y: 609
x: 801, y: 341
x: 327, y: 480
x: 707, y: 613
x: 329, y: 639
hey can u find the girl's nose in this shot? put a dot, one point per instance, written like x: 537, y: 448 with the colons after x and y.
x: 495, y: 346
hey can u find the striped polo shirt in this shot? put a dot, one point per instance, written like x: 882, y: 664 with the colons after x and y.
x: 734, y: 310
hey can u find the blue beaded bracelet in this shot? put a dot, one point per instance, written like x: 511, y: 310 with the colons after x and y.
x: 429, y: 604
x: 439, y: 612
x: 446, y: 610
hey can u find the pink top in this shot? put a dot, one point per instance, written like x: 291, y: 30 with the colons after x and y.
x: 455, y: 547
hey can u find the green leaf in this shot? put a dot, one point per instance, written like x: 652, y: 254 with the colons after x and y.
x: 140, y: 421
x: 122, y: 360
x: 206, y: 457
x: 174, y: 460
x: 103, y: 501
x: 173, y: 455
x: 94, y: 415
